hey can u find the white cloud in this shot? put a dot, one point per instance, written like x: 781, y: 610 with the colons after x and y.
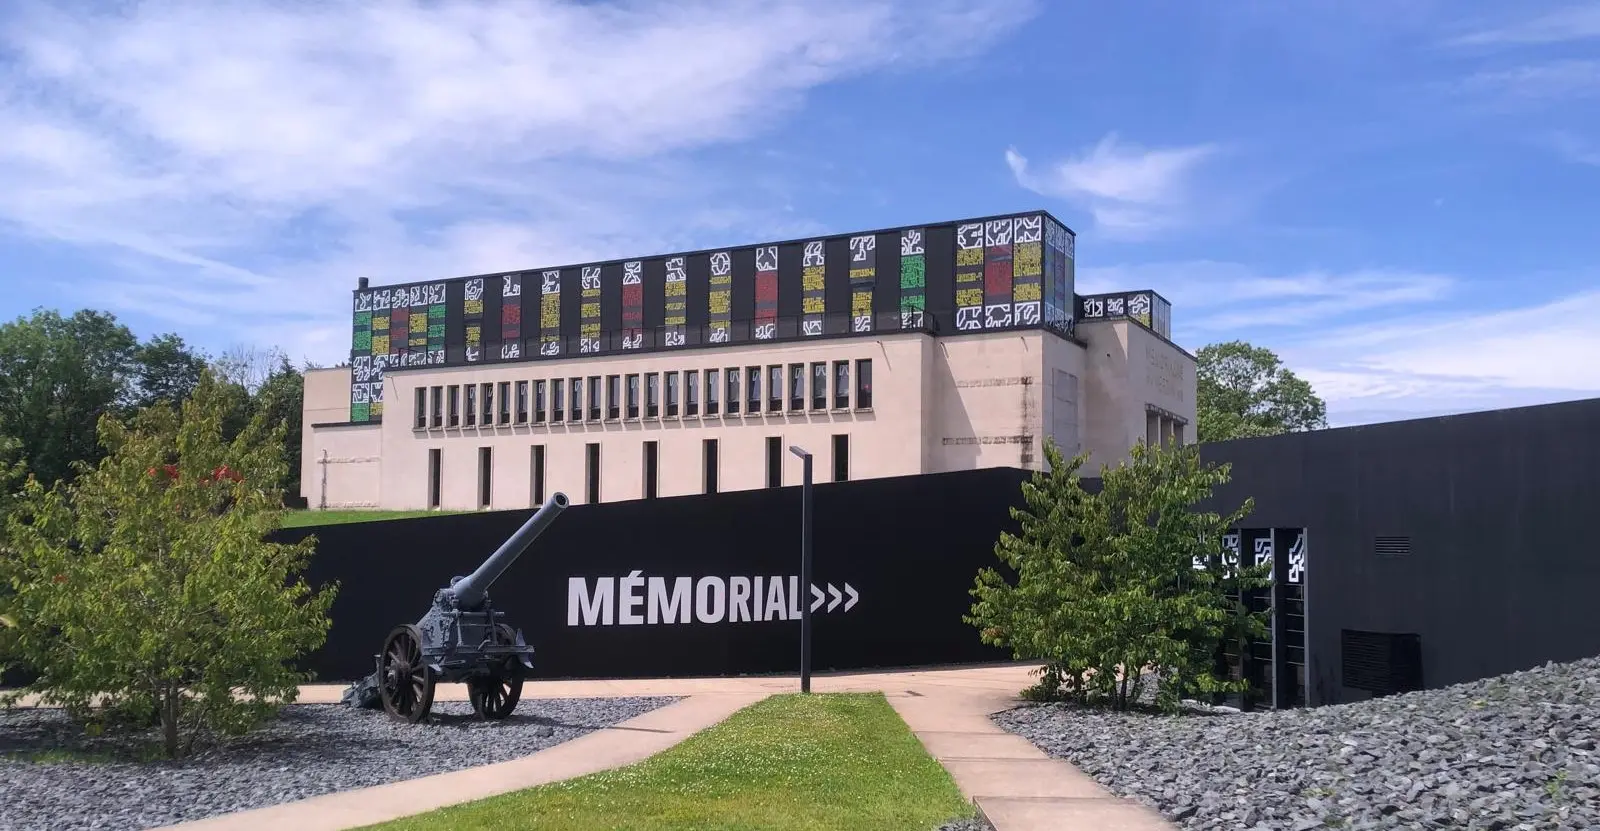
x: 1576, y: 22
x: 1379, y: 344
x: 1537, y: 82
x: 1130, y: 191
x: 1575, y: 149
x: 255, y: 158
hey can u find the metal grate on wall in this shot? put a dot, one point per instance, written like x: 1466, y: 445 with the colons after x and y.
x: 1391, y: 546
x: 1382, y: 663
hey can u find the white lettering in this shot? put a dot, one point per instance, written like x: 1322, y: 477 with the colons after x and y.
x: 579, y: 602
x: 631, y: 598
x: 710, y: 600
x: 664, y: 608
x: 775, y: 605
x: 757, y: 599
x: 739, y: 602
x: 794, y: 591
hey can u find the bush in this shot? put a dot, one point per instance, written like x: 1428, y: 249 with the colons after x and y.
x: 147, y: 588
x: 1107, y: 588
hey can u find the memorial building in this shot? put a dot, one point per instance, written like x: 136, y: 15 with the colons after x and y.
x: 922, y: 349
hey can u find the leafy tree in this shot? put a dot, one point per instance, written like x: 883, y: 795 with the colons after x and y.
x: 1106, y: 581
x: 281, y: 398
x: 166, y: 369
x: 1244, y: 391
x: 149, y: 580
x: 58, y: 376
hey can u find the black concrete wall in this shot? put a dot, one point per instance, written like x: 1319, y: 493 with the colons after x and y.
x: 910, y: 547
x: 1499, y: 510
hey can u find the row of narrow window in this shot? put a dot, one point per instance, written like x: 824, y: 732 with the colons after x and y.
x: 709, y: 392
x: 710, y: 466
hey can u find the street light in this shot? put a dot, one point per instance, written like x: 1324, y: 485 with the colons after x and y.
x: 805, y: 569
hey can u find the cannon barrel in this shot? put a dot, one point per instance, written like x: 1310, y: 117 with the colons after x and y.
x: 470, y: 590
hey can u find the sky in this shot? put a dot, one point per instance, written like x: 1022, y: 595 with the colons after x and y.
x: 1401, y: 198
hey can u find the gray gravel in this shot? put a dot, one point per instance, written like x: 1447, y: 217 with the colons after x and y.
x: 975, y: 824
x: 309, y: 750
x: 1514, y: 752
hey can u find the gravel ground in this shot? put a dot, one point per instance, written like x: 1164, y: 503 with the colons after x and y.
x: 1514, y: 752
x: 976, y: 824
x: 309, y: 750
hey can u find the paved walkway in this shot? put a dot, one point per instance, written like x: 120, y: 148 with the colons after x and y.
x: 1016, y: 786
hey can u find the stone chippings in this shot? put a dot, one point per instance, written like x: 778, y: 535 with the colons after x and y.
x: 1513, y: 752
x: 309, y: 750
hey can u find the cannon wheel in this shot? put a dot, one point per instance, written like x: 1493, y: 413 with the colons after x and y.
x: 493, y: 697
x: 406, y: 683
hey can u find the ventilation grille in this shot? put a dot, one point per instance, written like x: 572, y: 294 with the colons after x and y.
x: 1382, y: 663
x: 1392, y: 546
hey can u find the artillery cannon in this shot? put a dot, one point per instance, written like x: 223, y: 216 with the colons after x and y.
x: 460, y: 639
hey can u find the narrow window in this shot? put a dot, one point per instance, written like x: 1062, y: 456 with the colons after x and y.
x: 797, y: 386
x: 485, y: 476
x: 538, y: 475
x: 710, y: 465
x: 435, y: 478
x: 421, y: 420
x: 575, y: 408
x: 538, y: 401
x: 557, y: 397
x: 650, y: 470
x: 752, y: 377
x: 841, y: 458
x: 455, y: 401
x: 864, y: 384
x: 733, y: 390
x: 819, y: 386
x: 438, y: 407
x: 775, y: 389
x: 713, y: 385
x: 774, y: 462
x: 691, y: 392
x: 488, y: 405
x: 472, y: 405
x: 505, y: 402
x: 594, y: 398
x: 592, y: 472
x: 633, y: 396
x: 652, y: 395
x: 613, y: 396
x: 841, y: 385
x: 522, y: 402
x: 672, y: 395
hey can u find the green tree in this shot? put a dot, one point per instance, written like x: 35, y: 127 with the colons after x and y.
x: 166, y: 369
x: 281, y: 398
x: 1244, y: 391
x: 1107, y: 580
x: 58, y: 376
x: 149, y: 580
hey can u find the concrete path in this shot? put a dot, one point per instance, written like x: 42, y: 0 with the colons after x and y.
x: 1016, y: 786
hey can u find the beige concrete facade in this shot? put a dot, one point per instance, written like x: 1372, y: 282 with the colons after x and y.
x: 926, y: 404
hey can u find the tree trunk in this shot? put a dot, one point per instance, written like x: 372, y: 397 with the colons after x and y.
x: 169, y: 720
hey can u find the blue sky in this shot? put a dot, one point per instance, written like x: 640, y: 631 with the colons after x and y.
x: 1399, y: 196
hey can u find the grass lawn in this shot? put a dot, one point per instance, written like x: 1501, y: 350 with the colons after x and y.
x: 813, y: 763
x: 302, y: 519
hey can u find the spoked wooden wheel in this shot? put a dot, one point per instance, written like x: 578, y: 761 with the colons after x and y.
x: 406, y: 683
x: 495, y: 696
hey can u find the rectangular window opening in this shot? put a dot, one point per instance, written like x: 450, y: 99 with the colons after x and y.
x: 438, y: 407
x: 613, y: 397
x: 633, y: 396
x: 652, y: 395
x: 650, y: 466
x: 558, y: 395
x: 864, y: 384
x: 505, y: 402
x: 538, y: 475
x: 485, y: 477
x: 522, y: 402
x: 774, y: 462
x: 435, y: 478
x: 752, y: 377
x: 797, y: 387
x: 819, y: 386
x: 455, y: 409
x: 841, y: 385
x: 594, y: 398
x: 472, y: 405
x: 592, y: 472
x: 538, y: 401
x: 672, y: 395
x: 575, y: 408
x: 421, y: 419
x: 733, y: 390
x: 710, y: 465
x: 841, y: 457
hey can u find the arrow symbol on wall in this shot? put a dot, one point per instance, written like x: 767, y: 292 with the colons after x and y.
x: 834, y: 593
x: 848, y: 597
x: 853, y: 597
x: 817, y: 593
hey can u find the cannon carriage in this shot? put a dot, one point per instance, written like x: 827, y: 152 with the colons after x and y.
x: 461, y: 639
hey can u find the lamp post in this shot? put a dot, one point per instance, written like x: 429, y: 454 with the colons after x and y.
x: 805, y: 569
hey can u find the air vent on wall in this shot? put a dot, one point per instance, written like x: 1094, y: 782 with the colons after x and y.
x: 1392, y: 546
x: 1382, y: 663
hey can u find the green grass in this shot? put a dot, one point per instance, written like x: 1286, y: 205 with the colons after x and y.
x: 306, y: 518
x: 806, y: 763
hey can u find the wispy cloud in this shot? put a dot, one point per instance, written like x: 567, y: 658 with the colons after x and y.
x: 1383, y: 343
x: 1537, y: 82
x: 1129, y: 190
x: 1574, y: 149
x: 1576, y: 22
x: 261, y: 156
